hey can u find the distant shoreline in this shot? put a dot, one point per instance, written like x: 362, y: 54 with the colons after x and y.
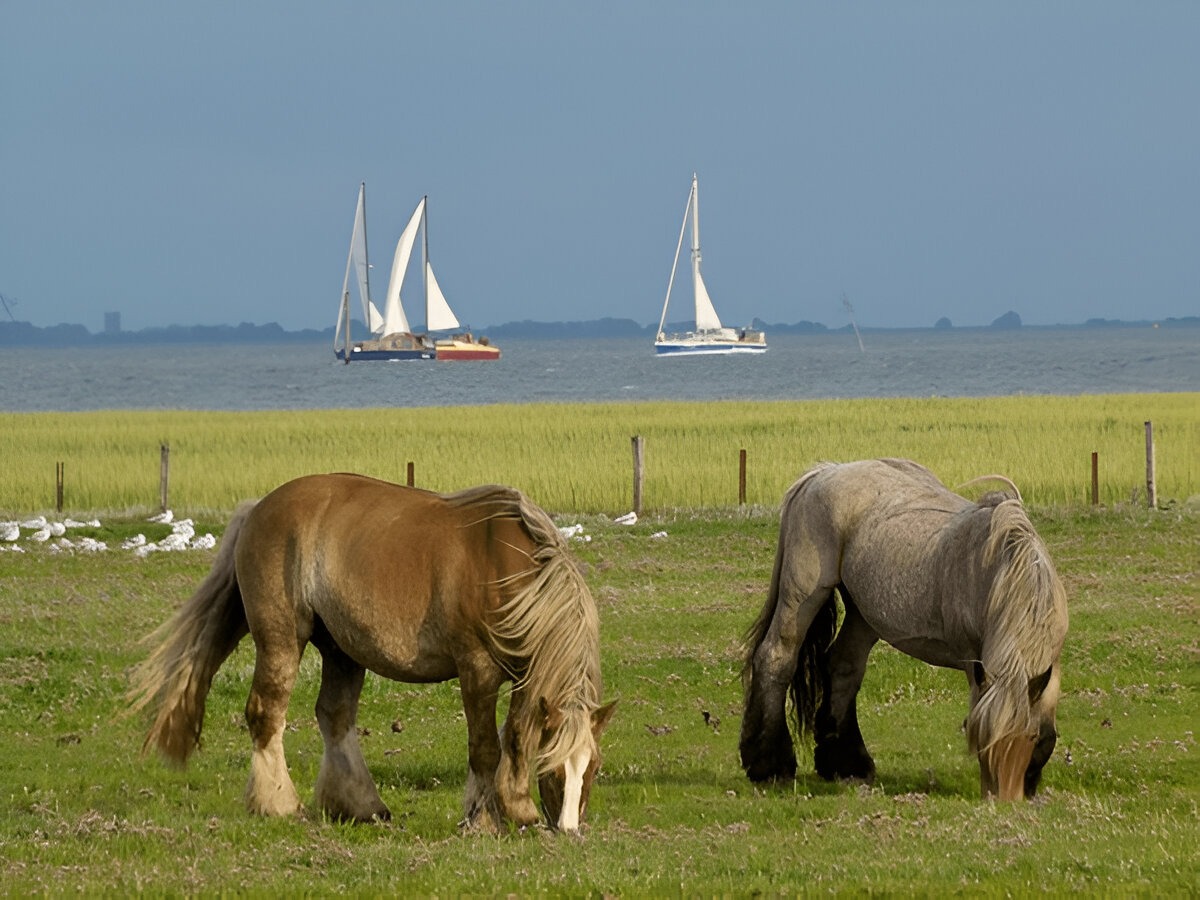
x: 24, y: 334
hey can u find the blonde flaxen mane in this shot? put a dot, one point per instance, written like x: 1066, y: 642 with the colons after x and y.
x: 548, y: 633
x: 1026, y: 622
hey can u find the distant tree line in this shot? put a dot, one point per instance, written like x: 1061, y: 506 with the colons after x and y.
x: 24, y: 334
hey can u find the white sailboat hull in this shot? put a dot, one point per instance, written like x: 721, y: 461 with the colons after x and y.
x: 702, y: 343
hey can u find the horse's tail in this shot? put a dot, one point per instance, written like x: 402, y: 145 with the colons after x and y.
x: 810, y: 684
x: 811, y: 678
x: 757, y: 632
x: 190, y: 646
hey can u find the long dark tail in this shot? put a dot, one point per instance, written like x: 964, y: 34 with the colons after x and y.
x: 757, y: 632
x: 810, y: 684
x: 810, y: 681
x: 190, y: 647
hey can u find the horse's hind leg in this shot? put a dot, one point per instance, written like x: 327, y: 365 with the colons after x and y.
x: 345, y: 789
x: 840, y: 751
x: 270, y: 791
x: 766, y: 745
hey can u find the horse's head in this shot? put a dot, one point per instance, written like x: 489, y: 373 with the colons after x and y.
x: 1014, y: 689
x: 565, y: 788
x: 1011, y: 759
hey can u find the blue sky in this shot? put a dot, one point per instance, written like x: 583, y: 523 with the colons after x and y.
x: 199, y: 163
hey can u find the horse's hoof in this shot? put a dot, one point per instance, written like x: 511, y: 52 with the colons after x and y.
x: 835, y: 761
x: 481, y: 823
x: 779, y: 770
x: 375, y: 816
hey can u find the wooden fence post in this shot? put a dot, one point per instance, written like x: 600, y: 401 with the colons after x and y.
x: 742, y: 477
x: 1151, y: 490
x: 1095, y: 478
x: 59, y: 473
x: 411, y: 474
x: 164, y: 476
x: 638, y: 472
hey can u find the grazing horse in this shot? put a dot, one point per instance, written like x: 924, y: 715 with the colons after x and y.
x: 957, y: 584
x: 417, y: 587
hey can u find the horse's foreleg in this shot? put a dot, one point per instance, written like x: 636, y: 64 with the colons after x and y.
x: 512, y: 776
x: 480, y: 681
x: 766, y: 745
x: 270, y: 791
x: 345, y: 789
x: 840, y: 750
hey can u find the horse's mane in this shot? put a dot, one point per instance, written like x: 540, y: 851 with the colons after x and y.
x: 548, y: 633
x: 1025, y: 621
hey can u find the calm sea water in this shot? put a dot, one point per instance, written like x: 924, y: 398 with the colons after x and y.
x: 894, y: 364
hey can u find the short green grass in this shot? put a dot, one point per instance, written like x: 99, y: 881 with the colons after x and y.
x: 672, y: 812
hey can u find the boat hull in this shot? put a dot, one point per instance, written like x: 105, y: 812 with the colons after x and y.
x: 467, y: 353
x: 465, y: 347
x: 711, y: 345
x: 397, y: 347
x: 708, y: 350
x: 358, y: 354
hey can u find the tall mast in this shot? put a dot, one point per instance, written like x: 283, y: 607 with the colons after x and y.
x: 695, y: 229
x: 425, y: 255
x: 362, y: 193
x: 348, y: 344
x: 675, y: 264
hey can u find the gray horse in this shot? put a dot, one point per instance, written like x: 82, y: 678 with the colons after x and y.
x: 957, y: 584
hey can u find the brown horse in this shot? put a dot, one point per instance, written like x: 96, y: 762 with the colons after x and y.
x: 416, y: 587
x: 957, y: 584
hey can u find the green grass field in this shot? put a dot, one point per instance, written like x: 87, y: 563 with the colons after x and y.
x: 672, y: 812
x: 578, y: 458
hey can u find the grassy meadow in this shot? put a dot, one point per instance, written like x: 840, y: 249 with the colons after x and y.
x: 578, y: 458
x: 671, y: 812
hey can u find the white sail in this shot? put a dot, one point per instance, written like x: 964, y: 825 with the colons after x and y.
x: 395, y: 339
x: 706, y: 315
x: 374, y: 319
x: 358, y: 261
x: 394, y: 320
x: 438, y: 314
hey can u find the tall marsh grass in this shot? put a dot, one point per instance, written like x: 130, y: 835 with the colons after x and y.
x: 576, y: 458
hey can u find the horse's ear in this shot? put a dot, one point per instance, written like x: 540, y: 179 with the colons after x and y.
x: 1038, y: 684
x: 977, y: 675
x: 601, y: 718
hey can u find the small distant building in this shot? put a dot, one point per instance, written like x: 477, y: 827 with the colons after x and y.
x: 112, y: 323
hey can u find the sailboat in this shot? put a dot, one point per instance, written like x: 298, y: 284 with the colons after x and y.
x: 393, y: 338
x: 709, y: 336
